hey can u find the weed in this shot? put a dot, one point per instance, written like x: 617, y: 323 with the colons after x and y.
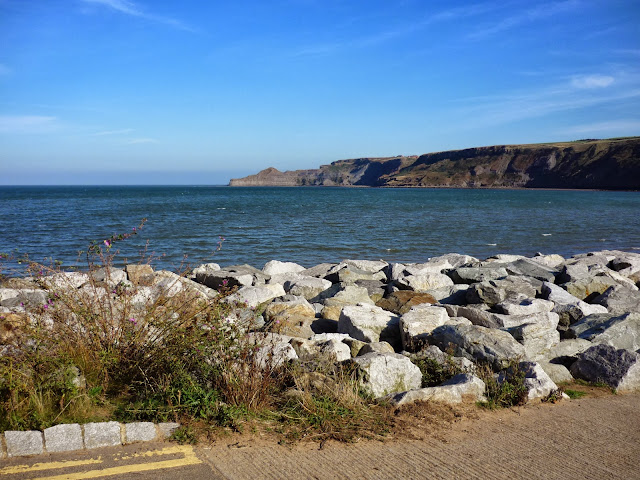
x: 435, y: 373
x: 505, y: 389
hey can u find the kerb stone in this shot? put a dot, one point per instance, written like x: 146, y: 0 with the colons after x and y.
x: 23, y: 443
x: 104, y: 434
x: 63, y: 438
x: 139, y: 432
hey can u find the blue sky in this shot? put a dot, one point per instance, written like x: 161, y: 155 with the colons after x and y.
x: 193, y: 92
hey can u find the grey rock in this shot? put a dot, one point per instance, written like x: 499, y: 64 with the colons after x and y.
x: 566, y: 352
x: 455, y: 390
x: 454, y: 295
x: 139, y: 432
x: 375, y: 347
x: 619, y: 331
x: 275, y: 267
x: 529, y: 306
x: 103, y: 434
x: 371, y: 266
x: 254, y: 296
x: 382, y: 374
x: 369, y: 323
x: 234, y: 276
x: 557, y: 373
x: 308, y: 287
x: 343, y: 295
x: 66, y: 280
x: 12, y: 298
x: 478, y: 314
x: 570, y: 308
x: 552, y: 261
x: 538, y: 336
x: 537, y: 381
x: 476, y: 274
x: 424, y: 281
x: 454, y: 259
x: 273, y: 350
x: 417, y: 324
x: 139, y: 274
x: 284, y: 278
x: 511, y: 288
x: 496, y: 347
x: 619, y: 299
x: 318, y: 271
x: 589, y: 287
x: 23, y: 443
x: 618, y: 368
x: 63, y: 438
x: 528, y: 268
x: 349, y: 274
x: 335, y: 349
x: 375, y: 288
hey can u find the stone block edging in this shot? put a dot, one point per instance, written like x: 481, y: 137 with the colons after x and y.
x: 72, y: 437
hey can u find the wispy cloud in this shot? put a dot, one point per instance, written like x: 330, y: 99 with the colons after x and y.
x: 132, y: 9
x: 508, y: 22
x: 570, y: 95
x: 137, y: 141
x: 123, y: 131
x: 382, y: 36
x: 592, y: 81
x: 25, y: 124
x: 622, y: 127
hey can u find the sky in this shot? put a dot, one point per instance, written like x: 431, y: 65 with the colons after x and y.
x: 198, y: 92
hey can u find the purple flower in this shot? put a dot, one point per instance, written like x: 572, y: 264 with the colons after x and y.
x: 107, y: 243
x: 133, y: 320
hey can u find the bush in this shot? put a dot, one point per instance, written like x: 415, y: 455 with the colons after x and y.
x: 101, y: 348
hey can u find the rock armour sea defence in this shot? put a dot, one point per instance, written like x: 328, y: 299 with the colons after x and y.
x: 556, y: 318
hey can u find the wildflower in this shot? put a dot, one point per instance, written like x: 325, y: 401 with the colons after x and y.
x: 46, y: 306
x: 107, y: 243
x: 133, y: 320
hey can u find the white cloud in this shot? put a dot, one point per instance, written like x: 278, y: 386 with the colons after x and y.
x: 136, y: 141
x: 592, y: 81
x: 130, y: 8
x: 26, y: 123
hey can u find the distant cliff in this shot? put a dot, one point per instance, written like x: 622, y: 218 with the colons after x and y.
x: 601, y: 164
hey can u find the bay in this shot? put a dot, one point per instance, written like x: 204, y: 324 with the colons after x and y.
x: 310, y: 225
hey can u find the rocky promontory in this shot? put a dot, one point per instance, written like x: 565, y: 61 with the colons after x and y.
x: 612, y: 164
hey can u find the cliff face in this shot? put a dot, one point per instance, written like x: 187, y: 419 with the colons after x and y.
x: 602, y: 164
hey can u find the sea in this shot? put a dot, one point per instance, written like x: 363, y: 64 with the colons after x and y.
x: 190, y: 225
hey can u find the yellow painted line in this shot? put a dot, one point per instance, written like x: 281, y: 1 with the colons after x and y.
x: 186, y: 450
x: 188, y: 459
x: 47, y: 466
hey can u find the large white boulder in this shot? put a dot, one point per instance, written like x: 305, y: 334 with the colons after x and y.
x: 382, y: 374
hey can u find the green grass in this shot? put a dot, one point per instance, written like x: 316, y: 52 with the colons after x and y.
x: 575, y: 394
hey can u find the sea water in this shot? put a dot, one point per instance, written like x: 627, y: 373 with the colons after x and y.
x: 310, y: 225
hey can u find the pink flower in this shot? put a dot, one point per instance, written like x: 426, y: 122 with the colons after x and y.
x: 133, y: 320
x: 107, y: 243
